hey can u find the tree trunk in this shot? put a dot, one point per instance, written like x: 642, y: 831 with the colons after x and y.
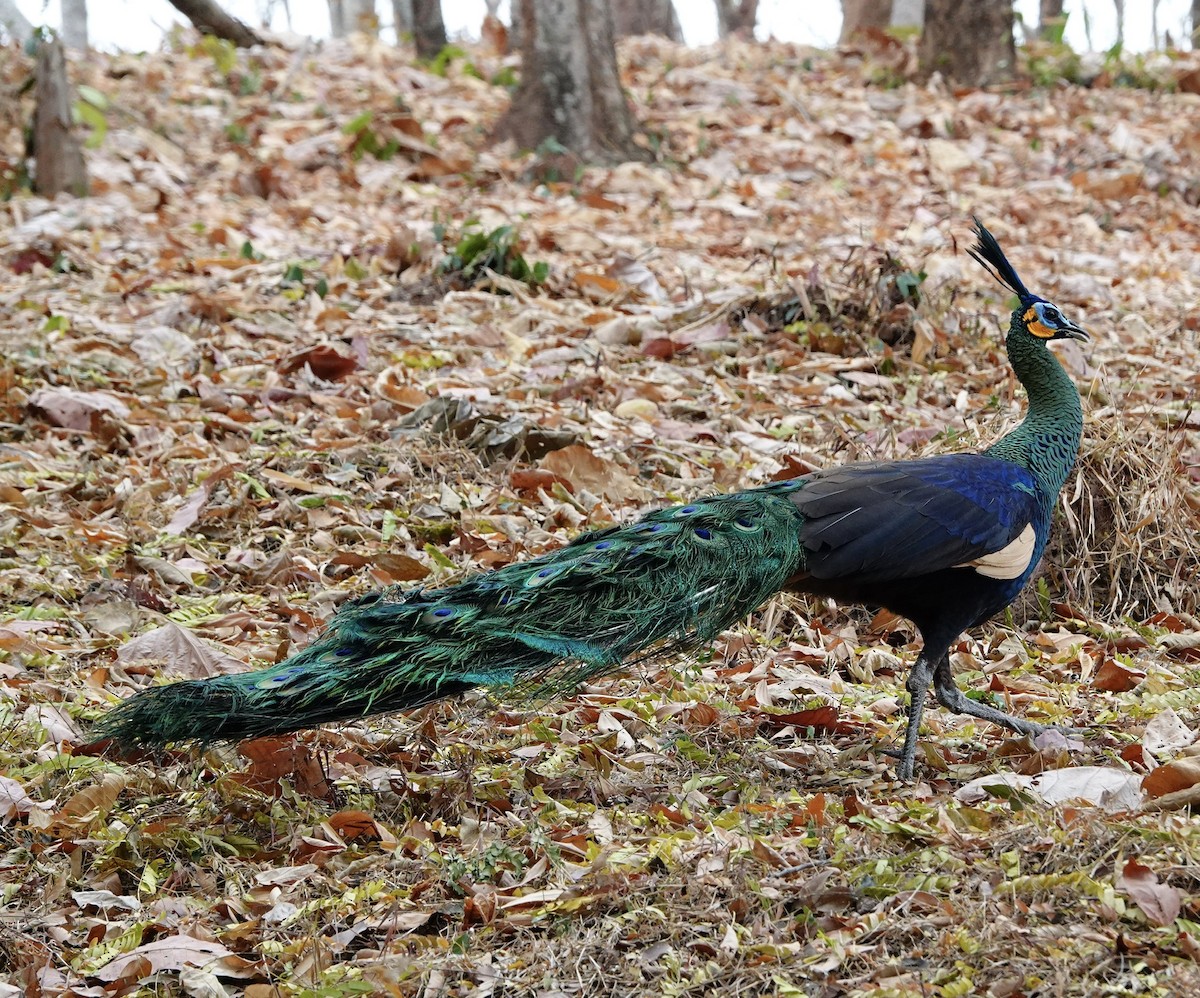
x: 74, y: 24
x: 736, y: 17
x: 515, y: 38
x: 429, y: 30
x: 57, y: 152
x: 570, y: 92
x: 1050, y: 18
x: 16, y: 25
x: 864, y: 15
x: 402, y: 19
x: 1120, y: 6
x: 339, y: 21
x: 969, y: 41
x: 209, y: 19
x: 365, y: 19
x: 646, y: 17
x: 908, y: 13
x: 1195, y: 24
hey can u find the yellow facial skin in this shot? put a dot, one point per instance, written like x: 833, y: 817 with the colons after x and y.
x: 1035, y: 325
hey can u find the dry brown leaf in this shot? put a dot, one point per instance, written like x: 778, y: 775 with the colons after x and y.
x: 585, y: 470
x: 1179, y: 774
x: 1116, y: 678
x: 86, y: 809
x: 274, y: 760
x: 180, y: 652
x: 1160, y: 903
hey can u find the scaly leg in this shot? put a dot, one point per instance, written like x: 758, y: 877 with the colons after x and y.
x: 952, y: 698
x: 918, y: 689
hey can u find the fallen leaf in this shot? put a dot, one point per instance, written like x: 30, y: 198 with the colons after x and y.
x: 584, y: 470
x: 176, y: 952
x: 75, y: 410
x: 1103, y: 786
x: 14, y: 801
x: 180, y: 652
x: 1166, y: 734
x: 1116, y: 678
x: 1160, y: 903
x: 1171, y: 777
x: 189, y: 512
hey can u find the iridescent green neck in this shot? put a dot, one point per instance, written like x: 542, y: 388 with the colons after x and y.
x: 1047, y: 441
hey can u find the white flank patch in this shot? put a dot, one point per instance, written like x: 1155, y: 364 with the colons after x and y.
x: 1009, y: 562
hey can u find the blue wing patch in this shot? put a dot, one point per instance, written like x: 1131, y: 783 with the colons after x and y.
x: 894, y: 520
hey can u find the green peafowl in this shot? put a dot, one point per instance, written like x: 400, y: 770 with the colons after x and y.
x: 945, y: 541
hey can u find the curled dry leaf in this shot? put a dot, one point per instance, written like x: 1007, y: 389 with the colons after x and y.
x: 86, y: 810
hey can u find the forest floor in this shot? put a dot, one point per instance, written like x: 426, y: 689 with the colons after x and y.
x: 237, y: 392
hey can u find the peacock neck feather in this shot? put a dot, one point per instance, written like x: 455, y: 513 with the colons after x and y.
x: 1047, y: 441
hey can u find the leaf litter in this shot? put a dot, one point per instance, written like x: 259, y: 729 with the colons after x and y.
x: 237, y: 392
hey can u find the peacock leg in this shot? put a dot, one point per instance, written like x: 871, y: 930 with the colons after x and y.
x: 952, y: 698
x: 918, y: 689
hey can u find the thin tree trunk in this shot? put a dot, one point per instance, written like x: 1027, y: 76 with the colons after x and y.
x: 57, y: 153
x: 969, y: 41
x: 1154, y: 23
x: 339, y: 22
x: 864, y: 15
x: 1195, y: 24
x: 365, y: 18
x: 1050, y: 18
x: 646, y: 17
x: 209, y: 19
x: 16, y: 25
x: 570, y: 92
x: 736, y: 17
x: 74, y: 24
x: 429, y: 30
x: 1120, y: 5
x: 402, y: 19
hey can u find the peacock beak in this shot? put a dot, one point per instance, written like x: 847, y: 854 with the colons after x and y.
x: 1069, y: 331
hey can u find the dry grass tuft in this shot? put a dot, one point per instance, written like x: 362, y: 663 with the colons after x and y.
x: 1133, y: 521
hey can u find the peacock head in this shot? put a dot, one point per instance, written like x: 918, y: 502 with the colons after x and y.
x: 1041, y: 319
